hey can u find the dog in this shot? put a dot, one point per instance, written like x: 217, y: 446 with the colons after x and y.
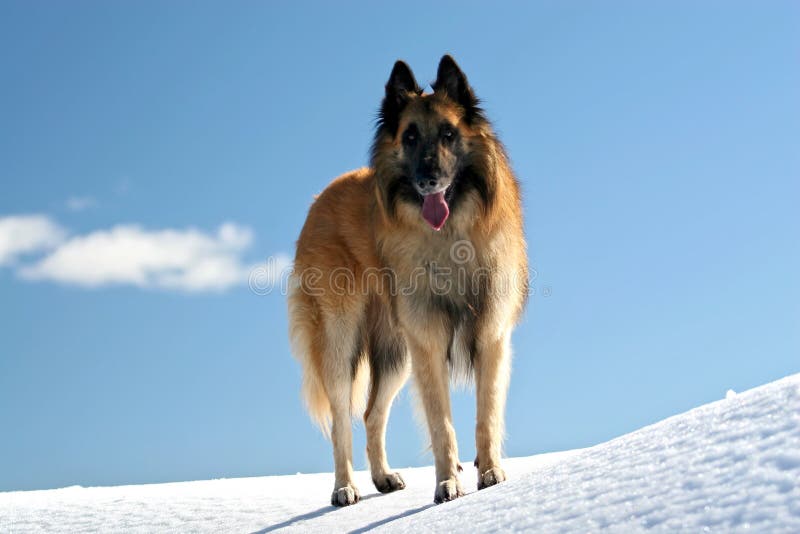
x: 415, y: 264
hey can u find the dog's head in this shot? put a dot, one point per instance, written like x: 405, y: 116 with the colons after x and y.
x: 430, y: 149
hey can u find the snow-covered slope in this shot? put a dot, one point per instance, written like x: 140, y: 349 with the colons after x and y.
x: 733, y: 465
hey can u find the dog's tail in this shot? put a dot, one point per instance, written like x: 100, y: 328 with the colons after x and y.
x: 307, y: 339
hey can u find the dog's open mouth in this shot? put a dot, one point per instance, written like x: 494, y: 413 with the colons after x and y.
x: 436, y: 207
x: 435, y: 210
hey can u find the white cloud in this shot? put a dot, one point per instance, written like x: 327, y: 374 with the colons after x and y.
x: 24, y: 234
x: 80, y: 203
x: 185, y: 260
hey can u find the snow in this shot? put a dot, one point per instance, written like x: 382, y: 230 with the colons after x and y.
x: 732, y: 465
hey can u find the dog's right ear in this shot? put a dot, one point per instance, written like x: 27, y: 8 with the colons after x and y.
x: 451, y: 81
x: 399, y: 89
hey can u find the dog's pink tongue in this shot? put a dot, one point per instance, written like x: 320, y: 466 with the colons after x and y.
x: 435, y: 210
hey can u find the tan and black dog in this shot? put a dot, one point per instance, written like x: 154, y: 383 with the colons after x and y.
x: 414, y: 264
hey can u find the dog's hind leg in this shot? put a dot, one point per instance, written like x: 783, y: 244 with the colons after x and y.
x: 338, y: 373
x: 389, y: 370
x: 492, y: 369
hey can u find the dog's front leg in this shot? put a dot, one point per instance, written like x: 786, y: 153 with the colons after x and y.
x: 492, y: 370
x: 428, y: 356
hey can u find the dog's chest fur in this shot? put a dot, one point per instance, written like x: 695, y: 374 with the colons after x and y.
x: 437, y: 271
x: 441, y: 278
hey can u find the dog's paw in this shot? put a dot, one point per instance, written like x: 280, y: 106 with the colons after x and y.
x: 389, y: 482
x: 493, y: 476
x: 447, y: 490
x: 345, y: 496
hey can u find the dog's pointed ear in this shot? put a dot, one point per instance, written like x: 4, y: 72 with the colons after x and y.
x: 451, y: 81
x: 399, y: 89
x: 401, y: 80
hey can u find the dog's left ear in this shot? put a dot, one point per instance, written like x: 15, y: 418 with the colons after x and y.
x: 399, y: 90
x: 451, y: 81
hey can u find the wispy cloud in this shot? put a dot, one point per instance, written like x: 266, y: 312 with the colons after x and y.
x: 186, y: 260
x: 25, y: 234
x: 76, y: 203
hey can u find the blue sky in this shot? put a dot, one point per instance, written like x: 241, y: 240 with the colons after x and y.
x: 153, y: 153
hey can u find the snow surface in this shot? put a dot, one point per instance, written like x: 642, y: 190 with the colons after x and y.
x: 733, y: 465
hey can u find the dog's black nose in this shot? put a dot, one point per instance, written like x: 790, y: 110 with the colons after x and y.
x: 425, y: 184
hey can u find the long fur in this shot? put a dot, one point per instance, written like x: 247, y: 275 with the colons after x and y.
x: 365, y: 306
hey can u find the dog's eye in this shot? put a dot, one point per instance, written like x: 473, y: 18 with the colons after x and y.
x: 410, y: 136
x: 448, y: 134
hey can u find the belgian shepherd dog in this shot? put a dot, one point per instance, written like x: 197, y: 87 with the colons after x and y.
x: 415, y: 264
